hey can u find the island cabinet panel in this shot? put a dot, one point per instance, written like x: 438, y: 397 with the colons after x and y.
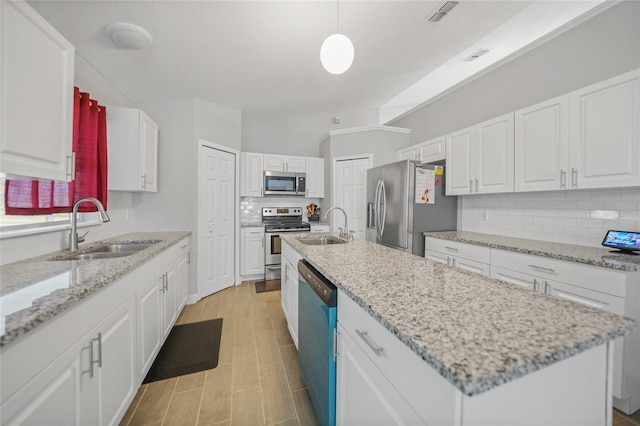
x: 363, y: 394
x: 419, y: 386
x: 380, y: 380
x: 289, y: 290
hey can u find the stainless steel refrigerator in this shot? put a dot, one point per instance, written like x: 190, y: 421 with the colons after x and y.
x: 400, y: 209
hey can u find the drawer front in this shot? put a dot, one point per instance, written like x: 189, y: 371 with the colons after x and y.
x: 320, y: 228
x: 514, y: 277
x: 586, y: 276
x: 426, y: 391
x: 453, y: 248
x: 253, y: 231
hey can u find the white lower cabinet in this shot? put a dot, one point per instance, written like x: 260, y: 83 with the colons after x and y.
x: 84, y: 367
x: 92, y: 383
x: 380, y: 381
x: 363, y: 393
x: 160, y: 301
x: 463, y: 256
x: 289, y: 289
x: 252, y: 252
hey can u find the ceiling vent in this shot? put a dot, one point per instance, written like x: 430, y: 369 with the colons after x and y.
x: 475, y: 55
x: 442, y: 11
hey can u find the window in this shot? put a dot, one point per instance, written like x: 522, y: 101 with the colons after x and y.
x: 11, y: 222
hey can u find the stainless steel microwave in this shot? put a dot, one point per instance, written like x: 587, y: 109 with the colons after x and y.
x: 285, y: 183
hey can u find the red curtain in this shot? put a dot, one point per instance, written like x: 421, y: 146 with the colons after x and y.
x: 37, y: 197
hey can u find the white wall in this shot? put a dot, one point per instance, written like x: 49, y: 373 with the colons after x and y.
x: 218, y: 124
x: 297, y: 133
x: 603, y: 47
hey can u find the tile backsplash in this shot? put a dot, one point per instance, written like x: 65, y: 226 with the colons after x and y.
x: 575, y: 217
x: 251, y: 207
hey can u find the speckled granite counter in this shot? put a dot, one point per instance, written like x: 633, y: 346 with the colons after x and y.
x: 596, y: 256
x: 476, y: 332
x: 48, y: 287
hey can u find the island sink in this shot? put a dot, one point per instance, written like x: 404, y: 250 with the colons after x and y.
x: 321, y: 241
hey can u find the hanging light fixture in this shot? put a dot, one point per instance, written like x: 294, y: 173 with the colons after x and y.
x: 336, y: 53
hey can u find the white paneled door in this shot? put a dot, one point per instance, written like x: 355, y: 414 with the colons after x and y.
x: 216, y: 223
x: 351, y: 193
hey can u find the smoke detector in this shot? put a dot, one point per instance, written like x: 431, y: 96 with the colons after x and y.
x: 442, y: 11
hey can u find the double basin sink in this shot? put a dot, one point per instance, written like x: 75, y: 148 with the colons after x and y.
x: 109, y: 251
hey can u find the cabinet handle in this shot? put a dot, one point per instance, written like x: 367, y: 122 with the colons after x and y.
x: 71, y: 166
x: 476, y: 185
x: 574, y: 177
x: 364, y: 336
x: 535, y: 284
x: 335, y: 343
x: 166, y: 281
x: 91, y: 360
x: 453, y: 262
x: 546, y: 288
x: 189, y: 258
x: 563, y: 178
x: 470, y: 185
x: 451, y: 248
x: 448, y: 261
x: 144, y: 181
x: 542, y: 269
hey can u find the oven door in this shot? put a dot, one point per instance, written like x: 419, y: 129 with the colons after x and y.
x: 272, y: 256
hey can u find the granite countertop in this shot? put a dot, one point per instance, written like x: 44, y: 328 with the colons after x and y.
x: 596, y: 256
x: 476, y: 332
x: 34, y: 290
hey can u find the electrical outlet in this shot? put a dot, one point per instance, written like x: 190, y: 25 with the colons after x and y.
x: 484, y: 215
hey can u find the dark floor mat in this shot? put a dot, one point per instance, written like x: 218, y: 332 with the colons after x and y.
x: 271, y: 285
x: 189, y: 348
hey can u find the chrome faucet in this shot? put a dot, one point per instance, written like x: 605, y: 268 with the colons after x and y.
x: 73, y: 236
x: 343, y: 232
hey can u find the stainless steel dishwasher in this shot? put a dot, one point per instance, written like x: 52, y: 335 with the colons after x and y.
x: 317, y: 307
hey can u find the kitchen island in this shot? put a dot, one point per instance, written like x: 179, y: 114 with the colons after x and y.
x: 483, y: 351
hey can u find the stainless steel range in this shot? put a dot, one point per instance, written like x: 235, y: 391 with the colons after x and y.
x: 277, y: 220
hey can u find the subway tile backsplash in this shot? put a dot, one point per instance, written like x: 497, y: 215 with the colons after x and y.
x: 251, y: 207
x: 574, y: 217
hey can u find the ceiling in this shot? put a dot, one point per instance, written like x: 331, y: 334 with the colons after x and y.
x: 262, y: 57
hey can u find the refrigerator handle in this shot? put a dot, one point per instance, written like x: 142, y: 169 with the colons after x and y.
x: 383, y: 195
x: 370, y: 215
x: 377, y: 212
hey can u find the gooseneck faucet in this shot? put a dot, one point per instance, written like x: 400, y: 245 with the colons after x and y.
x: 343, y: 232
x: 73, y: 236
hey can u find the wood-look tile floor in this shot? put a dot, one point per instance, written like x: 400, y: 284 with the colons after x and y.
x: 257, y: 380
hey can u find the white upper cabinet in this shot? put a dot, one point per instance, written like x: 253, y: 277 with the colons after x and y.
x: 426, y: 152
x: 586, y: 139
x: 315, y: 177
x: 251, y: 174
x: 542, y: 146
x: 281, y: 163
x: 410, y: 153
x: 37, y: 70
x: 133, y: 150
x: 605, y: 140
x: 480, y: 158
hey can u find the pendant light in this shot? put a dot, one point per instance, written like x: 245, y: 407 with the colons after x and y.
x: 336, y: 53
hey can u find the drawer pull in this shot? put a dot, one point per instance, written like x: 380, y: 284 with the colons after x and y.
x: 364, y: 336
x: 451, y: 248
x: 542, y: 269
